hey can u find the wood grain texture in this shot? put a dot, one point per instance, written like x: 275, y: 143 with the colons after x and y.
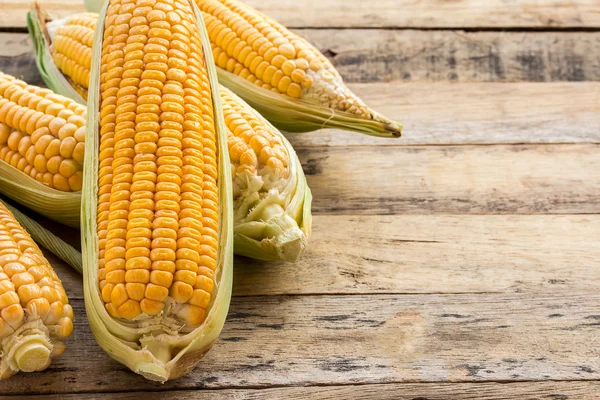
x: 376, y: 55
x: 388, y: 13
x: 580, y: 390
x: 475, y: 113
x: 523, y: 179
x: 13, y: 13
x: 436, y: 254
x: 425, y: 254
x: 318, y: 340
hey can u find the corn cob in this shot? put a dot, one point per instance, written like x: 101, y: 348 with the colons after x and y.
x: 280, y: 74
x: 271, y: 199
x: 35, y: 315
x: 41, y: 133
x: 157, y: 223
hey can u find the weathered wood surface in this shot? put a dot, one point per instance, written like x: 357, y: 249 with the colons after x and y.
x: 426, y: 254
x: 387, y: 13
x: 523, y: 179
x: 439, y: 268
x: 475, y: 113
x: 376, y: 55
x: 317, y: 340
x: 580, y: 390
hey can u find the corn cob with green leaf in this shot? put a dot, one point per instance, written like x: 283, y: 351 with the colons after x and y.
x: 157, y: 218
x: 35, y: 315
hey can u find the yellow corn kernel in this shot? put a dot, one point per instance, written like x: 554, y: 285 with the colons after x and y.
x: 157, y: 161
x: 32, y: 300
x: 41, y: 133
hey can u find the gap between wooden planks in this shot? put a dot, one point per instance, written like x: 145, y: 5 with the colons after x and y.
x: 386, y: 13
x: 580, y: 390
x: 386, y: 55
x: 324, y: 340
x: 425, y: 254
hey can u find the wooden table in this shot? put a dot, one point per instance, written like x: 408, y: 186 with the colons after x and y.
x: 461, y: 261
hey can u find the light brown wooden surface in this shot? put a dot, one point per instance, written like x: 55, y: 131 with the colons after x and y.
x: 458, y: 262
x: 387, y: 13
x: 516, y: 179
x: 418, y: 254
x: 581, y: 390
x: 360, y: 339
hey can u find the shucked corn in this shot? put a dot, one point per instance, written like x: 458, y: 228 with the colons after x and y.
x: 41, y: 133
x: 156, y: 201
x: 35, y: 316
x: 157, y: 180
x: 258, y: 49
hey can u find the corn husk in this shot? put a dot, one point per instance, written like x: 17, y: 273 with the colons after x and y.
x: 274, y: 227
x: 152, y: 350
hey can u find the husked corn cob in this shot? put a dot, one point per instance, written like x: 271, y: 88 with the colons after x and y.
x: 42, y: 133
x: 156, y: 200
x: 269, y: 187
x: 72, y: 47
x: 35, y: 315
x: 157, y: 182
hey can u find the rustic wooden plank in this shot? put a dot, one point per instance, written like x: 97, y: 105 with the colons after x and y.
x: 378, y: 55
x: 521, y: 179
x: 433, y: 13
x: 435, y: 113
x: 13, y: 13
x: 426, y: 254
x: 319, y: 340
x: 388, y: 13
x: 581, y: 390
x: 475, y: 113
x: 435, y: 254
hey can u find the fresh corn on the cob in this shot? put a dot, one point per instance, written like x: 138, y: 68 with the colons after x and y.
x: 156, y: 219
x: 271, y: 198
x: 280, y: 74
x: 35, y: 315
x: 42, y: 133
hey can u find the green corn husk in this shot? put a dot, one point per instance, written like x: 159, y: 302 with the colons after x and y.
x: 294, y: 115
x: 152, y: 351
x: 271, y: 227
x: 47, y: 239
x: 59, y: 206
